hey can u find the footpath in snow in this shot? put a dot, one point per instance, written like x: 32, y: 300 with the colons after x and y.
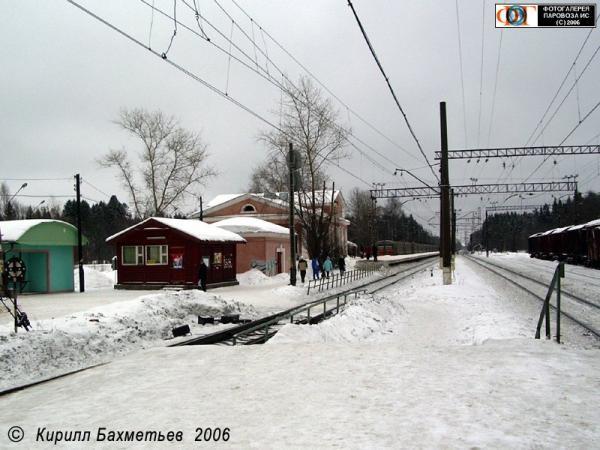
x: 419, y: 366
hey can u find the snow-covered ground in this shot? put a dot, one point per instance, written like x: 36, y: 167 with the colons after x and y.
x: 580, y: 280
x: 420, y: 365
x: 76, y: 330
x: 78, y: 340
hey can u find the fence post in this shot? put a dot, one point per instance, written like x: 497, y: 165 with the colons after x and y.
x: 548, y: 332
x: 561, y: 274
x: 308, y: 315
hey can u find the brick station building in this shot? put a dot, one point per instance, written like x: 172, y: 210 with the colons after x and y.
x: 274, y: 208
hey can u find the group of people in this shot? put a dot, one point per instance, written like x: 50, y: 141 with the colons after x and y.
x: 320, y: 267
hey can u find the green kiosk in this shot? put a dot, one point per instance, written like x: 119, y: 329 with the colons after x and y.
x: 46, y: 247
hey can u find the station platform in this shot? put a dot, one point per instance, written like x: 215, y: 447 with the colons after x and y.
x: 392, y: 260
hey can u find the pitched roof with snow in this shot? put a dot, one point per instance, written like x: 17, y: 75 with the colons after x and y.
x: 194, y: 228
x: 278, y: 198
x: 220, y: 199
x: 593, y: 223
x: 244, y: 225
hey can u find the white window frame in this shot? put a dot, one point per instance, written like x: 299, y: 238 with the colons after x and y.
x: 139, y: 255
x: 163, y: 253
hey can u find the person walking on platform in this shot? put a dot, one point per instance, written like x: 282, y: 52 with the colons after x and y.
x: 342, y: 265
x: 302, y: 266
x: 315, y: 268
x: 327, y: 266
x: 202, y: 271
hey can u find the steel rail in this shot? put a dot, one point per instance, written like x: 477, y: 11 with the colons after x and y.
x: 545, y: 285
x: 232, y: 334
x: 586, y: 326
x: 241, y: 328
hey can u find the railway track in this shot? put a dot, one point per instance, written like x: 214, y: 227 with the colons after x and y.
x: 254, y: 332
x: 314, y: 311
x: 583, y: 312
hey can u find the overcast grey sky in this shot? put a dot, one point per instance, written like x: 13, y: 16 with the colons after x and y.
x: 64, y: 77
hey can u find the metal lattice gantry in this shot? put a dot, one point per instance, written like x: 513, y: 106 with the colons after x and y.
x: 508, y: 152
x: 509, y: 208
x: 477, y: 189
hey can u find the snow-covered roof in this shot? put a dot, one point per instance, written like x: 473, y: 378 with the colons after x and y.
x: 220, y: 199
x: 194, y: 228
x: 12, y: 230
x: 244, y: 225
x: 593, y: 223
x: 558, y: 230
x: 38, y: 232
x: 278, y: 198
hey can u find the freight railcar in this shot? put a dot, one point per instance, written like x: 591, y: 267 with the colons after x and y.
x: 579, y: 244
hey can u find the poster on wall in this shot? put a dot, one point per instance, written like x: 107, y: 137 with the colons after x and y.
x: 217, y: 258
x: 177, y: 260
x: 228, y: 262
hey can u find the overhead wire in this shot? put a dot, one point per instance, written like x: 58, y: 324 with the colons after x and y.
x: 481, y: 71
x: 565, y: 138
x: 96, y: 189
x: 260, y: 71
x: 462, y: 76
x: 193, y: 76
x: 564, y: 80
x: 364, y: 33
x: 320, y: 83
x: 495, y: 88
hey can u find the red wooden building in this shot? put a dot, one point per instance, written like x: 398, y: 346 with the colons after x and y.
x: 159, y: 252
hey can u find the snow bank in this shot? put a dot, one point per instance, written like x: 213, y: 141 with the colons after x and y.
x: 253, y: 277
x: 95, y: 279
x: 100, y: 334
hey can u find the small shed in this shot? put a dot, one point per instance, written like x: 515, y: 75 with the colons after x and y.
x: 159, y: 252
x: 46, y: 247
x: 267, y: 244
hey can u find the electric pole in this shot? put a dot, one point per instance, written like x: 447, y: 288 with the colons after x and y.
x: 453, y: 221
x: 201, y: 216
x: 292, y: 163
x: 486, y: 225
x: 79, y: 243
x: 445, y: 234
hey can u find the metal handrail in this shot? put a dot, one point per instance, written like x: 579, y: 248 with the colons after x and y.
x: 295, y: 311
x: 265, y: 323
x: 338, y: 279
x: 559, y: 273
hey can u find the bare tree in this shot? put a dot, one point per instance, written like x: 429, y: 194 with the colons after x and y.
x: 309, y: 121
x: 270, y: 176
x: 172, y: 161
x: 360, y: 213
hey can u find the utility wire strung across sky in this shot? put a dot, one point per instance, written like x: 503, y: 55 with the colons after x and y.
x: 200, y: 80
x: 264, y: 73
x: 564, y: 80
x: 314, y: 77
x: 391, y: 89
x: 462, y: 76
